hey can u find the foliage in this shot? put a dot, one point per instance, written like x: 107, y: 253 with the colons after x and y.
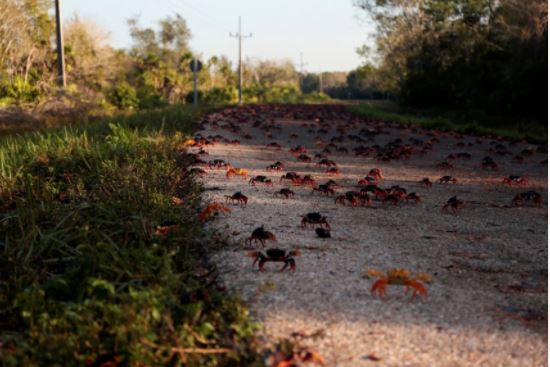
x: 124, y: 96
x: 87, y: 277
x: 483, y: 55
x: 445, y: 120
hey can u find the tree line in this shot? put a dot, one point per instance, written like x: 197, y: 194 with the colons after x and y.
x: 488, y: 56
x: 152, y: 73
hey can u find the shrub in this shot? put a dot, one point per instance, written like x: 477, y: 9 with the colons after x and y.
x: 124, y: 96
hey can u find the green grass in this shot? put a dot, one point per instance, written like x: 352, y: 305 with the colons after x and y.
x: 85, y: 279
x: 451, y: 121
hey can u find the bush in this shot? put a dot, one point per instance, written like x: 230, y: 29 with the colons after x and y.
x: 19, y: 90
x: 124, y: 96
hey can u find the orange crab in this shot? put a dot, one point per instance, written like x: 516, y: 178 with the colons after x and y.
x: 189, y: 143
x: 399, y: 276
x: 213, y: 209
x: 236, y: 172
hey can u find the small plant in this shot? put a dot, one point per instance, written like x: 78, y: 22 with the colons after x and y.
x: 124, y: 96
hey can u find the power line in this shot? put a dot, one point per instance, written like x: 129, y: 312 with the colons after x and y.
x: 240, y: 36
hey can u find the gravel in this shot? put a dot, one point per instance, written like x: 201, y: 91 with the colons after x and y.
x: 467, y: 320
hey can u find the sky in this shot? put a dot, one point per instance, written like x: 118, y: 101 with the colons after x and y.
x: 326, y: 32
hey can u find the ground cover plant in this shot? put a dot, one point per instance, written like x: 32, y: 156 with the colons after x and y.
x: 386, y: 110
x: 103, y: 261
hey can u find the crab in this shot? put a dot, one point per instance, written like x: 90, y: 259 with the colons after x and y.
x: 303, y: 158
x: 236, y: 172
x: 218, y: 163
x: 489, y: 163
x: 322, y: 232
x: 307, y: 180
x: 454, y: 203
x: 274, y: 146
x: 425, y: 182
x: 261, y: 179
x: 237, y: 198
x: 286, y: 193
x: 260, y: 235
x: 324, y: 189
x: 297, y: 150
x: 333, y: 171
x: 290, y: 176
x: 414, y: 197
x: 398, y: 276
x: 533, y: 196
x: 326, y: 162
x: 277, y: 166
x: 447, y: 179
x: 332, y: 184
x: 314, y: 218
x: 213, y: 209
x: 275, y: 255
x: 514, y: 180
x: 368, y: 180
x: 352, y: 198
x: 376, y: 173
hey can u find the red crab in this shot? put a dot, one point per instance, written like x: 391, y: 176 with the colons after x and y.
x: 307, y: 180
x: 514, y: 180
x: 261, y: 179
x: 275, y: 255
x: 213, y: 209
x: 277, y: 166
x: 324, y: 189
x: 236, y: 172
x: 425, y: 182
x: 290, y: 176
x: 351, y: 198
x: 298, y: 150
x: 313, y: 219
x: 399, y: 277
x: 368, y: 180
x: 218, y: 163
x: 260, y: 235
x: 333, y: 171
x: 376, y: 173
x: 237, y: 198
x: 327, y: 163
x: 489, y: 163
x: 286, y: 193
x: 414, y: 197
x: 447, y: 179
x: 454, y: 204
x: 533, y: 196
x: 274, y: 146
x: 304, y: 158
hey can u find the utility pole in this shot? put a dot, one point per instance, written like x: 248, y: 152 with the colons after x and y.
x: 321, y: 82
x: 240, y: 37
x: 60, y: 51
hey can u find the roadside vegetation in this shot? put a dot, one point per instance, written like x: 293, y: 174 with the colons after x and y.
x: 385, y: 110
x: 103, y: 261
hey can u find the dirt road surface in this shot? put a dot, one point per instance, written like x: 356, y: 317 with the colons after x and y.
x: 487, y: 304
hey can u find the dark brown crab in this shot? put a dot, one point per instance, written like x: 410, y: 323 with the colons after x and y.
x: 284, y: 193
x: 237, y: 198
x: 275, y: 255
x: 314, y: 218
x: 260, y: 235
